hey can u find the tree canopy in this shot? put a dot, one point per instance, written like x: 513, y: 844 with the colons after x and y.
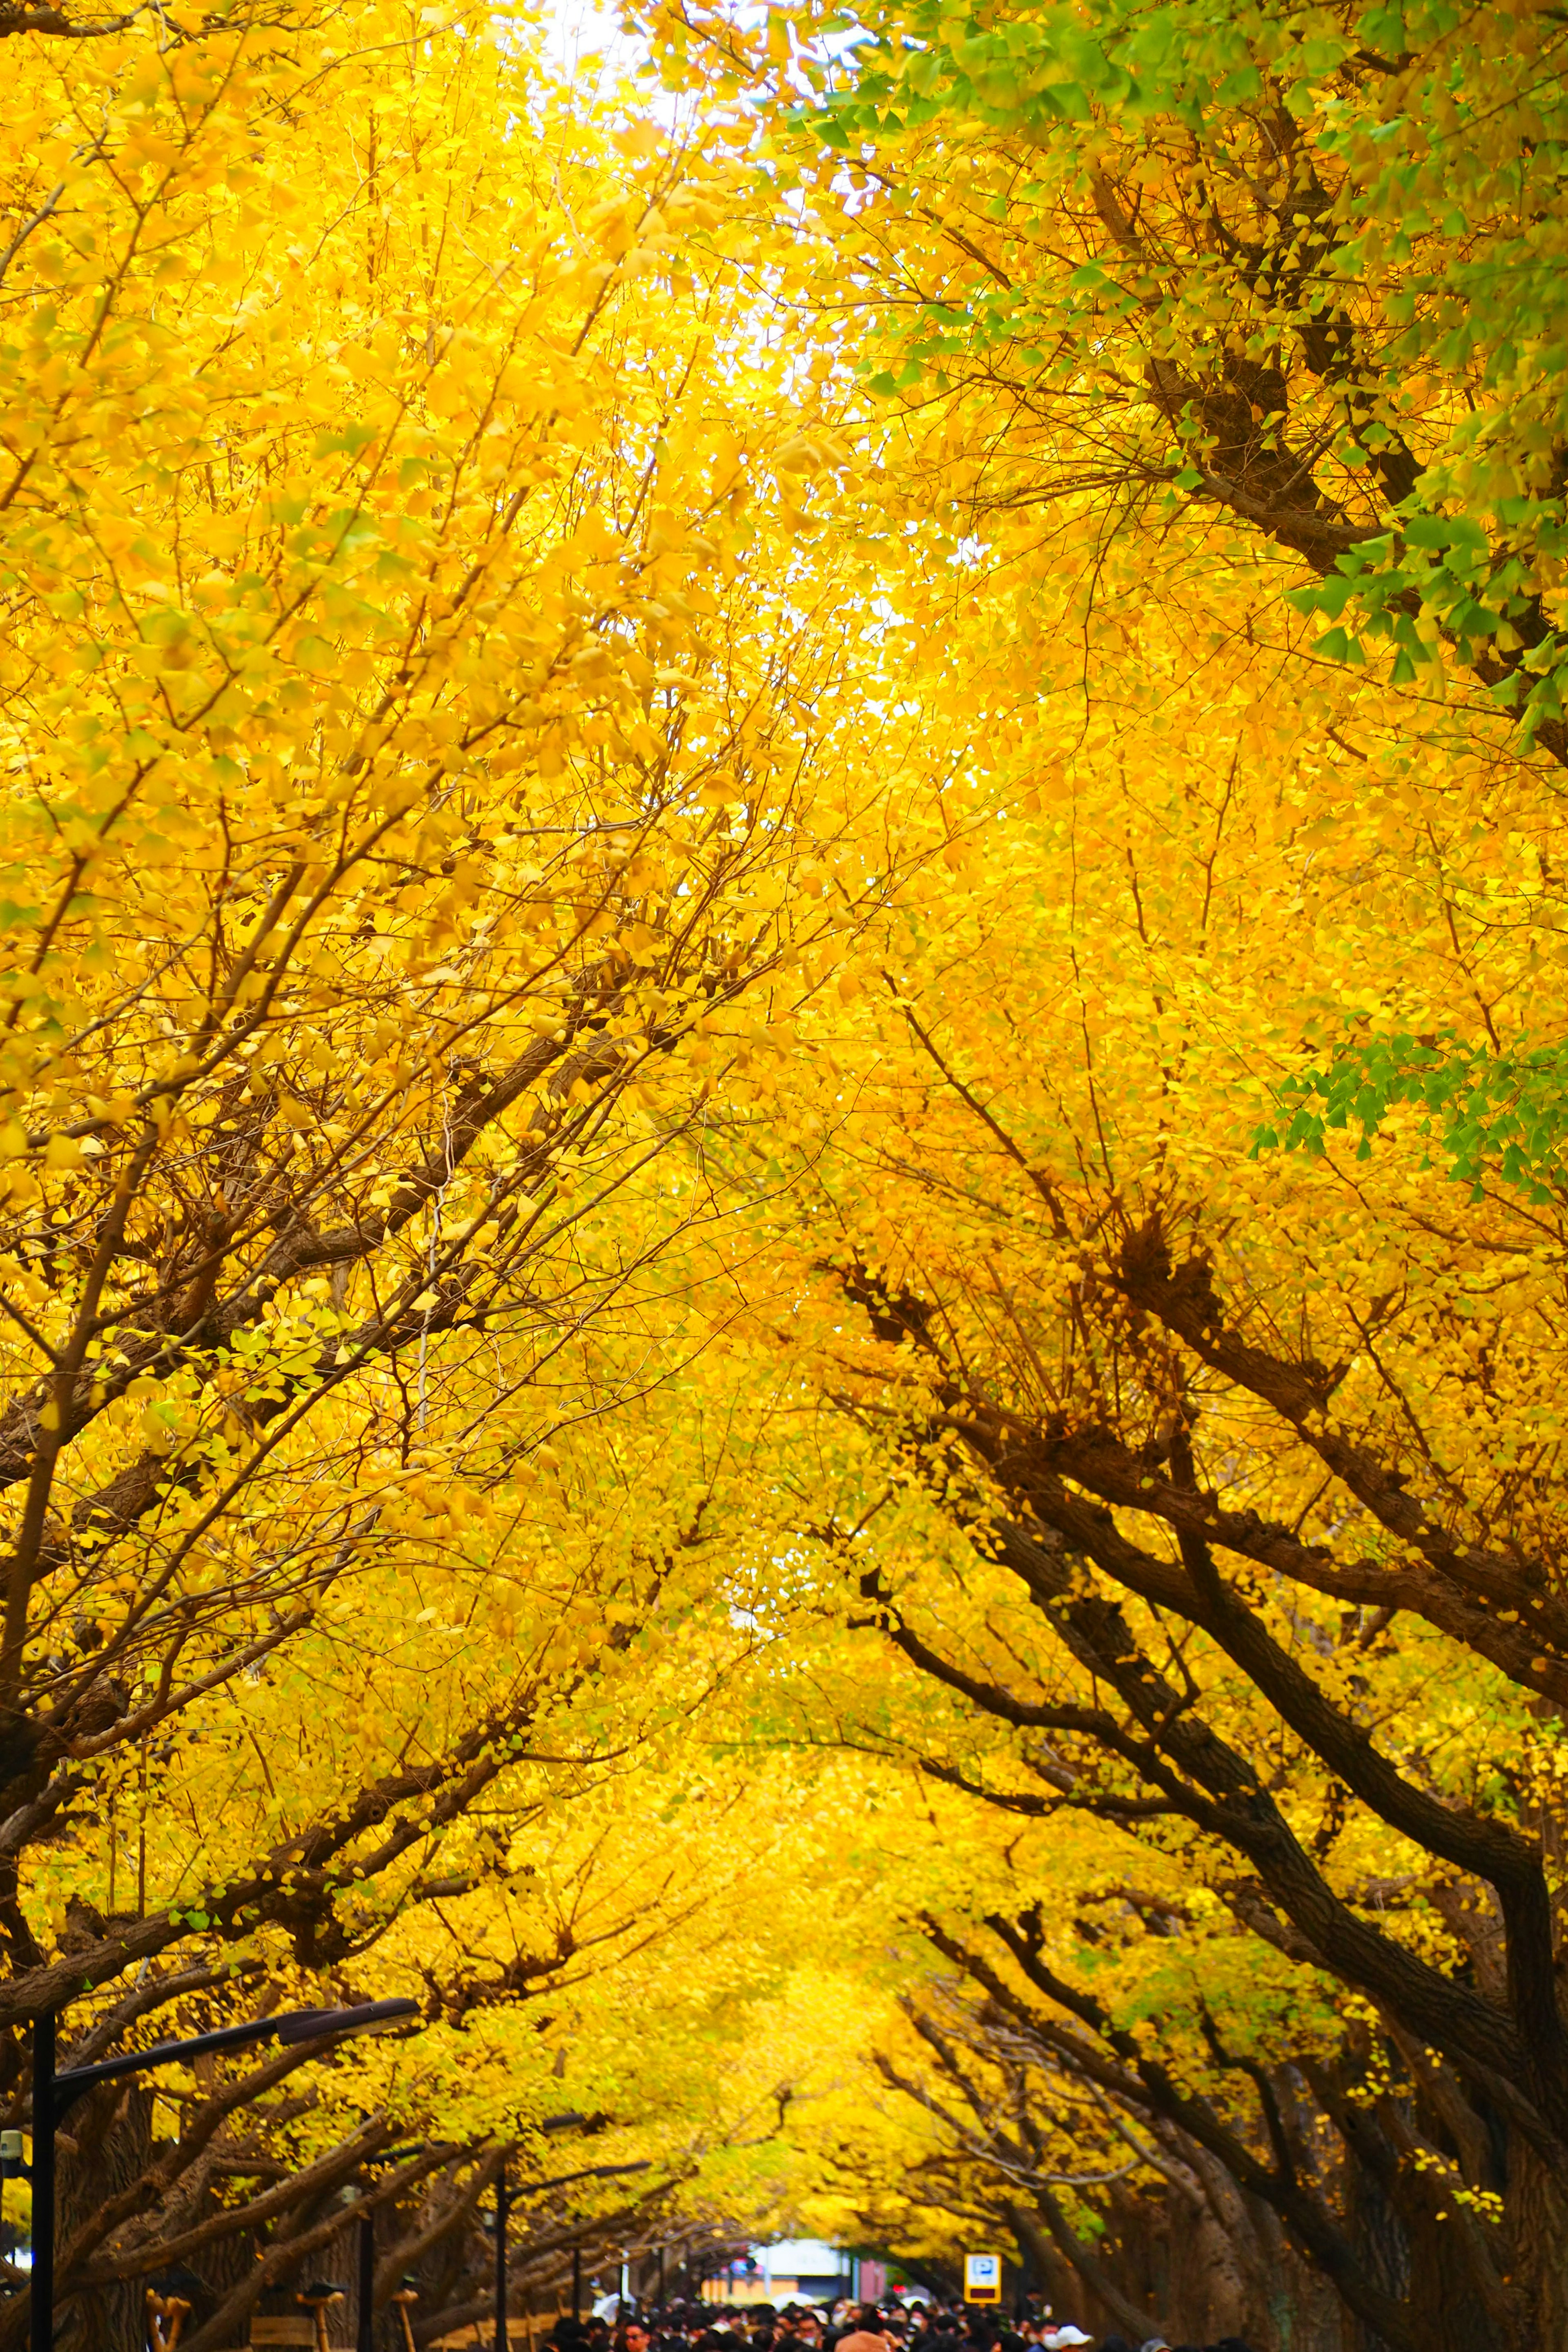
x: 784, y: 1228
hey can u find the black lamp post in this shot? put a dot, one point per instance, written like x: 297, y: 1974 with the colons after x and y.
x: 497, y: 2226
x: 502, y: 2208
x: 364, y: 2322
x: 365, y: 2333
x: 54, y: 2095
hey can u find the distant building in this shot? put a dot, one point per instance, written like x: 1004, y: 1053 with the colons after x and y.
x: 797, y: 2270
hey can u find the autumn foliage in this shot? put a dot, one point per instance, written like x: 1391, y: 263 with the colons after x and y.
x: 783, y: 1104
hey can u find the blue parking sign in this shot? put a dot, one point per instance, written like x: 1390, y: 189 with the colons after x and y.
x: 982, y: 2278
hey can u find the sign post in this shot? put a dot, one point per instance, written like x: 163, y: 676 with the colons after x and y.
x: 981, y: 2278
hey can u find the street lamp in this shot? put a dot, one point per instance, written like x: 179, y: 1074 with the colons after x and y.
x: 365, y: 2333
x: 502, y: 2208
x: 364, y: 2329
x: 54, y: 2095
x: 365, y: 2340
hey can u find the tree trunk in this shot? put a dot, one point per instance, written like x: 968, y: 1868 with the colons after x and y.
x: 112, y: 2134
x: 1219, y: 2269
x: 1538, y: 2215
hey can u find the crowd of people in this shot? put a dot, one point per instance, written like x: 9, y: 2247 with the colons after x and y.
x: 928, y: 2325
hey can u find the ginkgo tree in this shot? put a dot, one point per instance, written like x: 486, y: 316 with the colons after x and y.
x: 1270, y: 290
x: 1223, y: 1493
x: 647, y: 981
x: 528, y: 1965
x: 1296, y: 264
x: 424, y: 714
x: 341, y: 1005
x: 985, y: 2119
x: 1219, y: 1492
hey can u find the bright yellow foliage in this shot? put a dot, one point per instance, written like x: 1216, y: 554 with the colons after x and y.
x: 663, y: 1382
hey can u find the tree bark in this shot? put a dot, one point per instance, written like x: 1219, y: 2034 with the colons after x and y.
x: 1538, y: 2215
